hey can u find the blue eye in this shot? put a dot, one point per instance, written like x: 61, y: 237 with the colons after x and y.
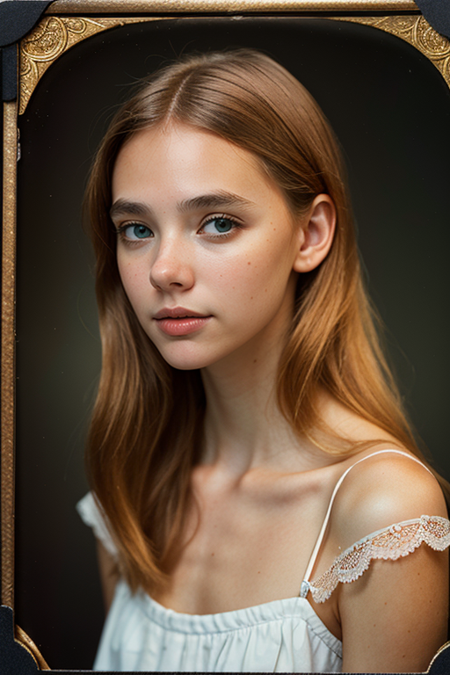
x: 219, y: 225
x: 136, y: 231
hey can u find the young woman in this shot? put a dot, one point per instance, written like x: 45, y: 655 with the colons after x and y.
x: 258, y: 500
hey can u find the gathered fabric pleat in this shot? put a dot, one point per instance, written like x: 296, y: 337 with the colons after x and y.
x: 279, y: 636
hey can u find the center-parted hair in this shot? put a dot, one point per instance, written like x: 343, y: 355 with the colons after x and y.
x: 146, y: 429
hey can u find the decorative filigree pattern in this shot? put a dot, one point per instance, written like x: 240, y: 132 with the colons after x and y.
x: 54, y: 35
x: 391, y: 543
x: 51, y: 38
x: 418, y: 32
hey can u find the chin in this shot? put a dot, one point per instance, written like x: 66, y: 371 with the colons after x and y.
x: 190, y: 361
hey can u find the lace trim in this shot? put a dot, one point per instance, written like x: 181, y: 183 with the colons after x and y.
x: 390, y: 543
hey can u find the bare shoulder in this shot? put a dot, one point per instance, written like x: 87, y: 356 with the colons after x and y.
x: 404, y: 601
x: 382, y: 490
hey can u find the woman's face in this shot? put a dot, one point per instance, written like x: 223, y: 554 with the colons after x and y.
x: 206, y: 246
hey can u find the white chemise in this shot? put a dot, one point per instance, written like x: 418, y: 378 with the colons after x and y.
x: 280, y: 636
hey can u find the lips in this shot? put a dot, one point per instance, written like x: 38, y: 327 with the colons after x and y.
x: 178, y: 321
x: 177, y: 313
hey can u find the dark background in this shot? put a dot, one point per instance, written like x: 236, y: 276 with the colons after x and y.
x: 391, y: 111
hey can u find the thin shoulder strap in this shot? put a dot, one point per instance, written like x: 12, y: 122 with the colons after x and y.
x: 312, y: 560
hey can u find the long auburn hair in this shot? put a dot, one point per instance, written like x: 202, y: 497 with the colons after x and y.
x: 146, y: 427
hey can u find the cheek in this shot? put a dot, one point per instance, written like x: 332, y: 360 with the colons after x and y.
x: 262, y: 273
x: 272, y: 262
x: 237, y: 277
x: 133, y: 278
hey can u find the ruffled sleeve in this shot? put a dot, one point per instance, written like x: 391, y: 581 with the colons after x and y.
x: 390, y: 543
x: 92, y: 515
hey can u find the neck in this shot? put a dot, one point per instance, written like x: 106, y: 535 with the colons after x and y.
x: 244, y: 427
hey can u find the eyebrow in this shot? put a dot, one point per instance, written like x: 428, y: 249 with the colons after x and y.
x: 123, y: 207
x: 213, y: 200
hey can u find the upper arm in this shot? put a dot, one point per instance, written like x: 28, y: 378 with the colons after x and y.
x: 394, y: 617
x: 109, y: 574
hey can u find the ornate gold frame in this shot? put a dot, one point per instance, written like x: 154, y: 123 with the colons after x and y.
x: 67, y: 22
x: 54, y: 35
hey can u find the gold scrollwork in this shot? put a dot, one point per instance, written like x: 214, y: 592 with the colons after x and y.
x: 433, y: 43
x: 418, y: 32
x: 54, y: 35
x: 51, y: 38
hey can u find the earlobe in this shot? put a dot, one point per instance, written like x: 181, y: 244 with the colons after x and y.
x: 316, y: 234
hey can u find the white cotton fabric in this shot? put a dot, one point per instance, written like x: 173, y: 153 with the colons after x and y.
x: 280, y: 636
x: 91, y: 515
x: 142, y: 635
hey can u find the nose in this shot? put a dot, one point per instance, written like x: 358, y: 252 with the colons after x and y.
x: 171, y: 268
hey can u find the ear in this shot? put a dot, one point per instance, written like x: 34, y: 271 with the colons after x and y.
x: 316, y: 232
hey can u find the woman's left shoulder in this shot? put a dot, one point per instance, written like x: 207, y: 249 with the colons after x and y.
x: 394, y: 617
x: 385, y: 489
